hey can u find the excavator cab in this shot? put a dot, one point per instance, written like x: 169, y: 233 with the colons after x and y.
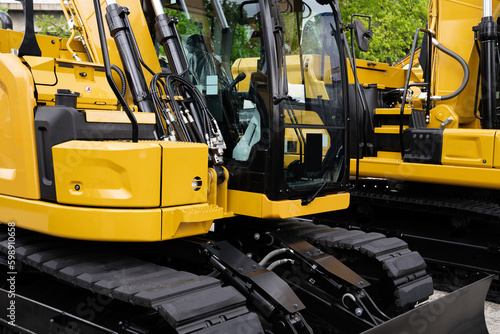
x: 277, y: 97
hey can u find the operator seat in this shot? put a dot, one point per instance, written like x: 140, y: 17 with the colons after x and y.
x: 258, y: 94
x: 200, y: 60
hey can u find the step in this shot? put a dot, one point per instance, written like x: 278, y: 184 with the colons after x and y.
x: 392, y: 111
x: 389, y: 129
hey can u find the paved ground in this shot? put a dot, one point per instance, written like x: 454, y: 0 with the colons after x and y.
x: 491, y: 313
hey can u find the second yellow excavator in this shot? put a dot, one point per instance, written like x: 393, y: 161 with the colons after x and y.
x: 425, y: 142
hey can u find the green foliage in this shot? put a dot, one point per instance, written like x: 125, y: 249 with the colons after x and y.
x: 207, y: 25
x: 49, y: 25
x: 4, y: 9
x: 394, y: 23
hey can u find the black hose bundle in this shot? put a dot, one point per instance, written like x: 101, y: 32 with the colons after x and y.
x: 181, y: 124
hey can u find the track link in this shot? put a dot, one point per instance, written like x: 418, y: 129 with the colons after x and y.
x: 456, y: 202
x: 188, y: 302
x: 404, y: 268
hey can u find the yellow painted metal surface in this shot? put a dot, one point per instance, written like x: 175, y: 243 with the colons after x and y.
x: 247, y: 66
x: 389, y: 129
x: 18, y: 163
x: 50, y: 46
x: 382, y: 74
x: 496, y: 154
x: 99, y: 224
x: 454, y: 21
x: 184, y: 173
x: 392, y: 111
x: 85, y: 78
x: 95, y: 116
x: 395, y: 169
x: 443, y: 114
x: 314, y: 84
x: 388, y: 155
x: 217, y: 193
x: 108, y: 174
x: 468, y: 147
x: 189, y: 220
x: 85, y: 9
x: 258, y: 205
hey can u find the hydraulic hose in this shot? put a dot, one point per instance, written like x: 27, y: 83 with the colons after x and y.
x: 464, y: 67
x: 279, y: 263
x: 118, y: 70
x: 273, y: 254
x: 109, y: 76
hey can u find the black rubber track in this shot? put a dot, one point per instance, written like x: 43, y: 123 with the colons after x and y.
x: 404, y: 269
x: 188, y: 302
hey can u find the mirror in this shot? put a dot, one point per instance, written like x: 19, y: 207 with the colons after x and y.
x: 248, y: 10
x: 362, y: 35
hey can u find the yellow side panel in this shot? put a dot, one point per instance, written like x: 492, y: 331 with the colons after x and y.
x: 108, y: 174
x: 139, y: 27
x: 85, y: 78
x: 18, y: 164
x: 389, y: 129
x: 496, y: 157
x: 94, y: 116
x: 453, y: 31
x: 467, y: 147
x: 184, y: 173
x: 258, y: 205
x: 247, y: 66
x: 383, y: 74
x: 82, y: 223
x: 49, y: 45
x: 392, y: 168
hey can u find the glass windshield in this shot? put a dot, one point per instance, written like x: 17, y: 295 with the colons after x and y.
x: 224, y: 45
x: 314, y: 112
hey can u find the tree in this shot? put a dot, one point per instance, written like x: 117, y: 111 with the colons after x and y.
x: 49, y: 25
x: 394, y: 23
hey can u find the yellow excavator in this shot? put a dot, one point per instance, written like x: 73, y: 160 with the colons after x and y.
x: 424, y: 142
x: 152, y: 166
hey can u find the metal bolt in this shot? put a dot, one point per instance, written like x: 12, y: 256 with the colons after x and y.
x: 77, y: 187
x: 484, y: 161
x: 295, y: 306
x: 53, y: 42
x: 256, y: 236
x: 240, y: 270
x: 358, y: 311
x: 254, y: 266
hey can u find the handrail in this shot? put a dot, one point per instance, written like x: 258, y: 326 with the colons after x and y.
x: 430, y: 98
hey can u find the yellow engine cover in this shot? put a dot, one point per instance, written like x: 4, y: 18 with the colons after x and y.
x: 135, y: 175
x: 184, y: 173
x: 108, y: 174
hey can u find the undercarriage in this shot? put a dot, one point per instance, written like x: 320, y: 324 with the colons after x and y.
x: 287, y: 276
